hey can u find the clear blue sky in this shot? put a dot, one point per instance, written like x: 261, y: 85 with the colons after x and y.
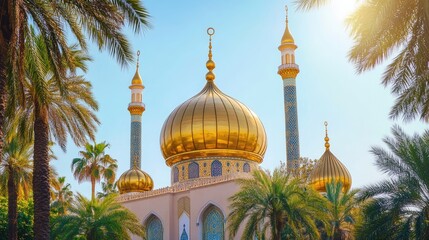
x: 173, y: 56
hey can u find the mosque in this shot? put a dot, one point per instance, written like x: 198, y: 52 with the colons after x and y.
x: 209, y: 141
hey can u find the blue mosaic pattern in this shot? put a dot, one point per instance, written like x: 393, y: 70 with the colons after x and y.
x: 213, y: 228
x: 291, y: 117
x: 135, y: 151
x: 154, y: 229
x: 216, y: 168
x: 246, y: 167
x: 193, y: 170
x: 175, y: 174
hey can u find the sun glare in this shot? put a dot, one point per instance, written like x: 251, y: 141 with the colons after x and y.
x: 343, y: 8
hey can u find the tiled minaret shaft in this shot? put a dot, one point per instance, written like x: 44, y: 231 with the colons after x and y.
x: 288, y: 70
x: 136, y: 109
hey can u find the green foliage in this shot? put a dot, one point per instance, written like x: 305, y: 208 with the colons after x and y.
x: 342, y: 212
x: 61, y: 196
x: 107, y: 189
x: 17, y: 157
x: 275, y: 204
x: 94, y: 165
x: 25, y: 219
x: 398, y: 207
x: 96, y: 219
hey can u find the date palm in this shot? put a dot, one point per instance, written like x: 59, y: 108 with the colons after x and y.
x: 102, y: 21
x: 107, y: 189
x: 62, y: 195
x: 383, y: 28
x: 274, y: 205
x: 16, y: 171
x: 94, y: 165
x: 96, y: 219
x: 342, y: 212
x: 51, y: 112
x: 398, y: 207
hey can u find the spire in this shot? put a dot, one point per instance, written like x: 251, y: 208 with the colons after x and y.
x: 210, y: 64
x: 137, y: 80
x: 287, y: 36
x: 327, y: 145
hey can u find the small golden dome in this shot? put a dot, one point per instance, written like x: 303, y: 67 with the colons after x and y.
x: 134, y: 180
x: 329, y: 169
x: 137, y: 80
x: 287, y: 36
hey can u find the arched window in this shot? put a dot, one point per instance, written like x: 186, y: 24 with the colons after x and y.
x: 154, y: 228
x: 213, y: 226
x: 293, y: 58
x: 246, y: 167
x: 175, y: 175
x: 287, y: 59
x: 216, y: 168
x: 193, y: 170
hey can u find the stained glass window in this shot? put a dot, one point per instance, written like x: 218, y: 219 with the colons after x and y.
x: 246, y: 167
x: 154, y: 229
x: 175, y: 174
x: 193, y: 170
x: 216, y: 168
x: 213, y: 228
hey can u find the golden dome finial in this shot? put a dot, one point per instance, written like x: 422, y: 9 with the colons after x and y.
x: 210, y: 64
x: 287, y: 36
x: 138, y: 58
x: 327, y: 145
x: 287, y: 14
x: 137, y: 80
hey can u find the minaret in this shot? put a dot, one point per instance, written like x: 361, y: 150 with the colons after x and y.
x: 136, y: 108
x: 288, y: 70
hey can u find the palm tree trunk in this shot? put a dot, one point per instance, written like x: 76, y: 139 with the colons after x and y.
x: 92, y: 188
x: 12, y: 211
x: 5, y: 39
x: 41, y: 174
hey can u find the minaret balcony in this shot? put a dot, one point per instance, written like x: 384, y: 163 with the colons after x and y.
x: 289, y: 66
x: 136, y: 104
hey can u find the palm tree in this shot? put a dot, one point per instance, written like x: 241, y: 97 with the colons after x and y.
x: 51, y: 112
x: 94, y: 165
x: 276, y: 205
x: 398, y: 207
x: 107, y: 189
x: 381, y: 28
x: 342, y: 211
x: 62, y: 195
x: 15, y: 176
x: 96, y: 219
x: 103, y: 22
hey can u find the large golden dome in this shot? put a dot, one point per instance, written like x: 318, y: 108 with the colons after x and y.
x: 134, y: 180
x: 329, y: 169
x: 212, y: 124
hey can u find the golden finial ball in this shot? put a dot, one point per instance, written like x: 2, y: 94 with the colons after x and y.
x: 210, y: 76
x: 326, y: 139
x: 210, y: 65
x: 327, y: 145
